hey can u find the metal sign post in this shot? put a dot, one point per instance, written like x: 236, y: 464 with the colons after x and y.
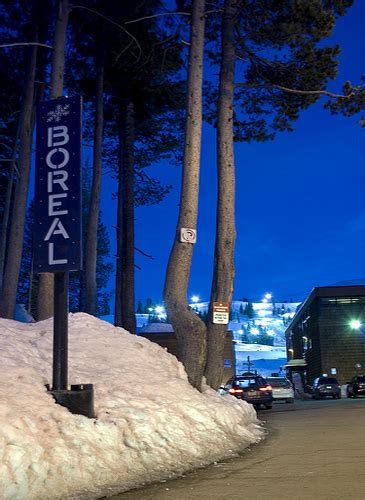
x: 60, y: 332
x: 57, y: 234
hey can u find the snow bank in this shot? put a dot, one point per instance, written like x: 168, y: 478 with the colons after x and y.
x: 151, y: 424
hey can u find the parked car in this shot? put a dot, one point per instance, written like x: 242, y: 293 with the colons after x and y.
x: 252, y: 388
x: 356, y: 387
x: 326, y: 386
x: 282, y: 389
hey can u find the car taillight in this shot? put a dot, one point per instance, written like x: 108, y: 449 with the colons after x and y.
x: 235, y: 391
x: 267, y: 388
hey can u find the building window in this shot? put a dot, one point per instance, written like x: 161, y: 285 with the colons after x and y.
x: 343, y: 301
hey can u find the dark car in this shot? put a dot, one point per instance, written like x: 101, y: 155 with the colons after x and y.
x: 326, y: 386
x: 356, y: 387
x: 252, y: 388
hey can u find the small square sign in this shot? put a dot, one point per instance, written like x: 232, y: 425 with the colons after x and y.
x: 220, y: 313
x: 227, y: 363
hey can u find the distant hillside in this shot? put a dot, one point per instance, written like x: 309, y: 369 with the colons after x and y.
x: 263, y: 323
x: 258, y: 331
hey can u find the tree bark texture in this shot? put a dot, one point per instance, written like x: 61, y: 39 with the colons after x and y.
x: 7, y: 204
x: 119, y: 231
x: 125, y: 258
x: 190, y: 330
x: 92, y: 228
x: 223, y: 274
x: 16, y: 234
x: 46, y: 281
x: 128, y: 291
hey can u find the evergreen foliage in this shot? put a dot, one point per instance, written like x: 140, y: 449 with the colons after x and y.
x: 283, y: 48
x: 351, y: 106
x: 28, y: 282
x: 249, y: 311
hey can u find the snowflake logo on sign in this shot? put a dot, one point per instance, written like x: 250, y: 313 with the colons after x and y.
x: 57, y: 114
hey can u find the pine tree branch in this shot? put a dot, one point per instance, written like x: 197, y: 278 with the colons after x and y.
x: 353, y: 92
x: 21, y: 44
x: 159, y: 15
x: 110, y: 21
x: 170, y: 14
x: 143, y: 253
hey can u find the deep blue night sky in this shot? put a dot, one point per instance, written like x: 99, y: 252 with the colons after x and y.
x: 300, y: 202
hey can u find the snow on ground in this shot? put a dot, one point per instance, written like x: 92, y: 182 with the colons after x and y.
x: 257, y: 351
x: 151, y: 424
x: 266, y: 359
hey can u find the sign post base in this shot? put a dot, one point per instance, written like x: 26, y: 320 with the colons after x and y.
x: 79, y: 400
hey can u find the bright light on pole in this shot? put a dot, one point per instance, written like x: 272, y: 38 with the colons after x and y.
x: 159, y: 309
x: 268, y: 296
x: 195, y: 299
x: 355, y: 324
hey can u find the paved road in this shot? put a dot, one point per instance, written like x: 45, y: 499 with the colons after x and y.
x: 315, y: 450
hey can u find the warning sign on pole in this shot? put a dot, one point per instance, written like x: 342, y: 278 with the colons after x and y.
x: 220, y: 313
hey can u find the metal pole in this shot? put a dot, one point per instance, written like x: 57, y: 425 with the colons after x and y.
x: 60, y: 332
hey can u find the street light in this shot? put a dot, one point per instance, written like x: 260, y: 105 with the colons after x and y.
x: 355, y: 324
x: 268, y: 296
x: 195, y: 299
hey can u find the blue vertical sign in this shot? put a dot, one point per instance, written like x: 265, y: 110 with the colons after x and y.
x: 57, y: 230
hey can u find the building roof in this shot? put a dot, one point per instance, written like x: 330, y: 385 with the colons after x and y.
x: 295, y: 363
x: 325, y: 291
x: 157, y: 328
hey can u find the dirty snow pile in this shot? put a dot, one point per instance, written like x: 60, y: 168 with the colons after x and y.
x: 150, y: 425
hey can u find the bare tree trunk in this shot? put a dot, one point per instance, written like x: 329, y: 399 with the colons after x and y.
x: 125, y: 308
x: 223, y: 274
x: 128, y: 307
x: 119, y: 229
x: 92, y: 228
x: 15, y: 245
x: 7, y: 204
x: 190, y: 330
x: 46, y: 281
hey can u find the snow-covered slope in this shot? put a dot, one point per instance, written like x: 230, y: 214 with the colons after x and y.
x: 252, y: 334
x: 151, y: 424
x: 266, y: 321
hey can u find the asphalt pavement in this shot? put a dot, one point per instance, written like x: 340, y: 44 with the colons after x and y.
x: 314, y: 450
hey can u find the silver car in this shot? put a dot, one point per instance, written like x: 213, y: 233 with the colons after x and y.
x: 282, y: 389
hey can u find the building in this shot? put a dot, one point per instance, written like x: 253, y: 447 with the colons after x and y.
x: 327, y: 334
x: 163, y: 334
